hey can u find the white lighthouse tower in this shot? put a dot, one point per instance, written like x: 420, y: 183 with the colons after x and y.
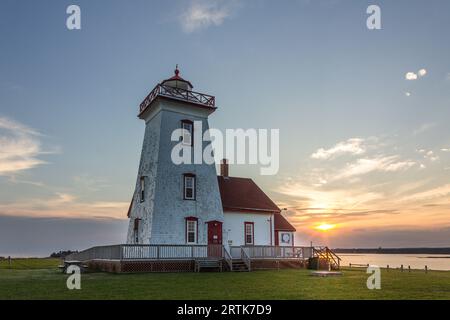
x: 174, y: 203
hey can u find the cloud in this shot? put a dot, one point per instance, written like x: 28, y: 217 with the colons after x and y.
x: 353, y: 146
x: 368, y: 165
x: 364, y: 192
x: 202, y: 14
x: 411, y: 76
x: 312, y: 198
x: 414, y: 76
x: 423, y: 128
x: 398, y: 166
x: 422, y: 72
x: 19, y: 147
x: 90, y: 183
x: 434, y: 193
x: 431, y: 156
x: 65, y: 205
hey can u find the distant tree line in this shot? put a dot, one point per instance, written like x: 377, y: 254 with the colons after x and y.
x: 62, y: 254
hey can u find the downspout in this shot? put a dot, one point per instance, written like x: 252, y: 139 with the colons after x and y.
x: 270, y: 220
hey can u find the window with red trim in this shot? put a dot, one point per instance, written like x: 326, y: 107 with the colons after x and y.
x: 249, y: 233
x: 189, y: 185
x: 191, y: 230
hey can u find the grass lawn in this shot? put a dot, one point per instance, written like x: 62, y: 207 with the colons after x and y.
x: 40, y: 279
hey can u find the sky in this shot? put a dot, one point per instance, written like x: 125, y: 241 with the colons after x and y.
x: 363, y: 114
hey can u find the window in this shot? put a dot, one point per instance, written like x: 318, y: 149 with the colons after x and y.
x: 142, y: 182
x: 189, y: 187
x: 286, y: 238
x: 188, y: 132
x: 249, y: 233
x: 136, y: 230
x: 191, y: 230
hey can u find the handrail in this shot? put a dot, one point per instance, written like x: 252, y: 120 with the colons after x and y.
x: 328, y: 255
x: 228, y: 258
x: 277, y: 252
x: 179, y: 94
x: 246, y: 259
x: 335, y: 257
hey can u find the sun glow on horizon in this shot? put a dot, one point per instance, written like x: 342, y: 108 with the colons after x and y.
x: 325, y: 227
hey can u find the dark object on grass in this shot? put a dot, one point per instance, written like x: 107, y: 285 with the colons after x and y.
x: 62, y: 254
x: 317, y: 263
x: 326, y: 273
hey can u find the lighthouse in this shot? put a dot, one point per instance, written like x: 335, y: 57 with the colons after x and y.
x: 176, y: 204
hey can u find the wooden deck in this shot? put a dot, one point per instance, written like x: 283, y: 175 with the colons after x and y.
x: 184, y: 258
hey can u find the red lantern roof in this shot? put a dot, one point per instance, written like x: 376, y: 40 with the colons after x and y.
x: 177, y: 78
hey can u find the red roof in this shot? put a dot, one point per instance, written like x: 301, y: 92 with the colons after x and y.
x: 242, y: 194
x: 281, y: 224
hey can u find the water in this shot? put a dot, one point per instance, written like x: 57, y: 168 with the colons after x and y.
x: 416, y: 261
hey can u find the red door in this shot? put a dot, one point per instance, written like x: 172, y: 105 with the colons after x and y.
x: 214, y: 239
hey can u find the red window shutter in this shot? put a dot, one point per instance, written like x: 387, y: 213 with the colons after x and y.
x: 136, y: 224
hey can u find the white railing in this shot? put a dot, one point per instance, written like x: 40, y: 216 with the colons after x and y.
x: 228, y: 258
x: 246, y: 258
x: 148, y: 252
x: 161, y: 252
x: 186, y: 252
x: 276, y: 252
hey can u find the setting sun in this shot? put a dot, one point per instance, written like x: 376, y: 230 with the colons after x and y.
x: 325, y: 227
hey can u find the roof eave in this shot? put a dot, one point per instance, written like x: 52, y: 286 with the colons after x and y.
x: 286, y: 230
x: 256, y: 210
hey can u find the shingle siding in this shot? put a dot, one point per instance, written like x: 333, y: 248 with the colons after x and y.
x: 164, y: 210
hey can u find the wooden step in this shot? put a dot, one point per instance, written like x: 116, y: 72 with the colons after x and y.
x: 239, y: 265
